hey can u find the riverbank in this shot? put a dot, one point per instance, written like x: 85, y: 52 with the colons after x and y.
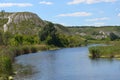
x: 69, y: 64
x: 112, y: 51
x: 8, y: 54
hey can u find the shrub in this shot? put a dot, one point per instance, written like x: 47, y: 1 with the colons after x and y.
x: 5, y: 66
x: 95, y: 52
x: 33, y: 49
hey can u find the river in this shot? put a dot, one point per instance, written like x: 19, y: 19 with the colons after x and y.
x: 70, y: 64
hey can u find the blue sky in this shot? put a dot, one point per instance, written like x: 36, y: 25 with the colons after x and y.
x: 69, y: 12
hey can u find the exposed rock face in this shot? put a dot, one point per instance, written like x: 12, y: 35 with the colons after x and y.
x: 25, y: 16
x: 10, y: 17
x: 20, y: 22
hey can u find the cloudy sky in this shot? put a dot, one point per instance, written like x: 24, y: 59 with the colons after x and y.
x: 69, y: 12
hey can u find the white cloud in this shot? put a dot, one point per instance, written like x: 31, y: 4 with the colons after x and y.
x: 98, y: 19
x: 46, y: 3
x: 119, y: 14
x: 89, y: 1
x: 97, y: 24
x: 15, y: 4
x: 75, y: 14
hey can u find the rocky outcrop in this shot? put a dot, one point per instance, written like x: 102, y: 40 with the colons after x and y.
x: 10, y: 17
x: 22, y: 22
x: 26, y: 16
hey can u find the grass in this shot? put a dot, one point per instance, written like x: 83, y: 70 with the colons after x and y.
x: 7, y: 55
x: 105, y: 51
x: 5, y: 67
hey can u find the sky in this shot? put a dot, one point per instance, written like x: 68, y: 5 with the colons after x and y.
x: 69, y: 12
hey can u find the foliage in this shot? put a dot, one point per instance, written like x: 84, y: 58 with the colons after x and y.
x: 6, y: 37
x: 26, y: 27
x: 95, y: 52
x: 2, y: 22
x: 105, y: 51
x: 50, y: 36
x: 7, y: 55
x: 95, y: 33
x: 5, y: 66
x: 18, y: 39
x: 113, y: 36
x: 48, y: 30
x: 1, y: 38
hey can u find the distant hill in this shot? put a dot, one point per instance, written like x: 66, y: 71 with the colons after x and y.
x: 96, y: 32
x: 30, y: 24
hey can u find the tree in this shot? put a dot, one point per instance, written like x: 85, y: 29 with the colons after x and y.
x: 113, y: 36
x: 2, y: 14
x: 49, y: 35
x: 48, y: 30
x: 19, y: 39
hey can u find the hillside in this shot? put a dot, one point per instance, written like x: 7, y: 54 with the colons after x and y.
x: 25, y: 23
x: 21, y: 22
x: 30, y: 24
x: 96, y: 32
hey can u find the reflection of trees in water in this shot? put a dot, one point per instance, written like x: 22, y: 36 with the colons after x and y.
x: 49, y: 69
x: 99, y: 61
x: 24, y: 71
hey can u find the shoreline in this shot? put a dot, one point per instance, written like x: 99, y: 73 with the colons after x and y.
x: 112, y: 51
x: 9, y: 53
x: 115, y: 57
x: 13, y: 52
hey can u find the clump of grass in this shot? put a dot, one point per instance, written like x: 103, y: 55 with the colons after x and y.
x: 33, y: 49
x: 42, y: 47
x: 105, y: 52
x: 5, y: 66
x: 15, y: 51
x: 95, y: 52
x: 25, y: 49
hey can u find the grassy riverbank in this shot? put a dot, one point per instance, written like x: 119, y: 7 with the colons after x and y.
x: 7, y: 55
x: 112, y: 51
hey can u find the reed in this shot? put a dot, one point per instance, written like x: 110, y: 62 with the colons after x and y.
x: 105, y: 51
x: 5, y: 67
x: 7, y: 55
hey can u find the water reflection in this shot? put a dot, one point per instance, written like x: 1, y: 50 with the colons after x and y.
x: 71, y: 64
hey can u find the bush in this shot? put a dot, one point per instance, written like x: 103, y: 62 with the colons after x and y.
x: 5, y: 66
x: 33, y: 49
x: 95, y: 52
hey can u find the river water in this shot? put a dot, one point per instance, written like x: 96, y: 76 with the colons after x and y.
x: 70, y: 64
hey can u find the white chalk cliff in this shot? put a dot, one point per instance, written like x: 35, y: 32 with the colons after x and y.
x: 18, y: 17
x: 5, y: 26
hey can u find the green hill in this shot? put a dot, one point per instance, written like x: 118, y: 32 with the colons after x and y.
x: 96, y: 32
